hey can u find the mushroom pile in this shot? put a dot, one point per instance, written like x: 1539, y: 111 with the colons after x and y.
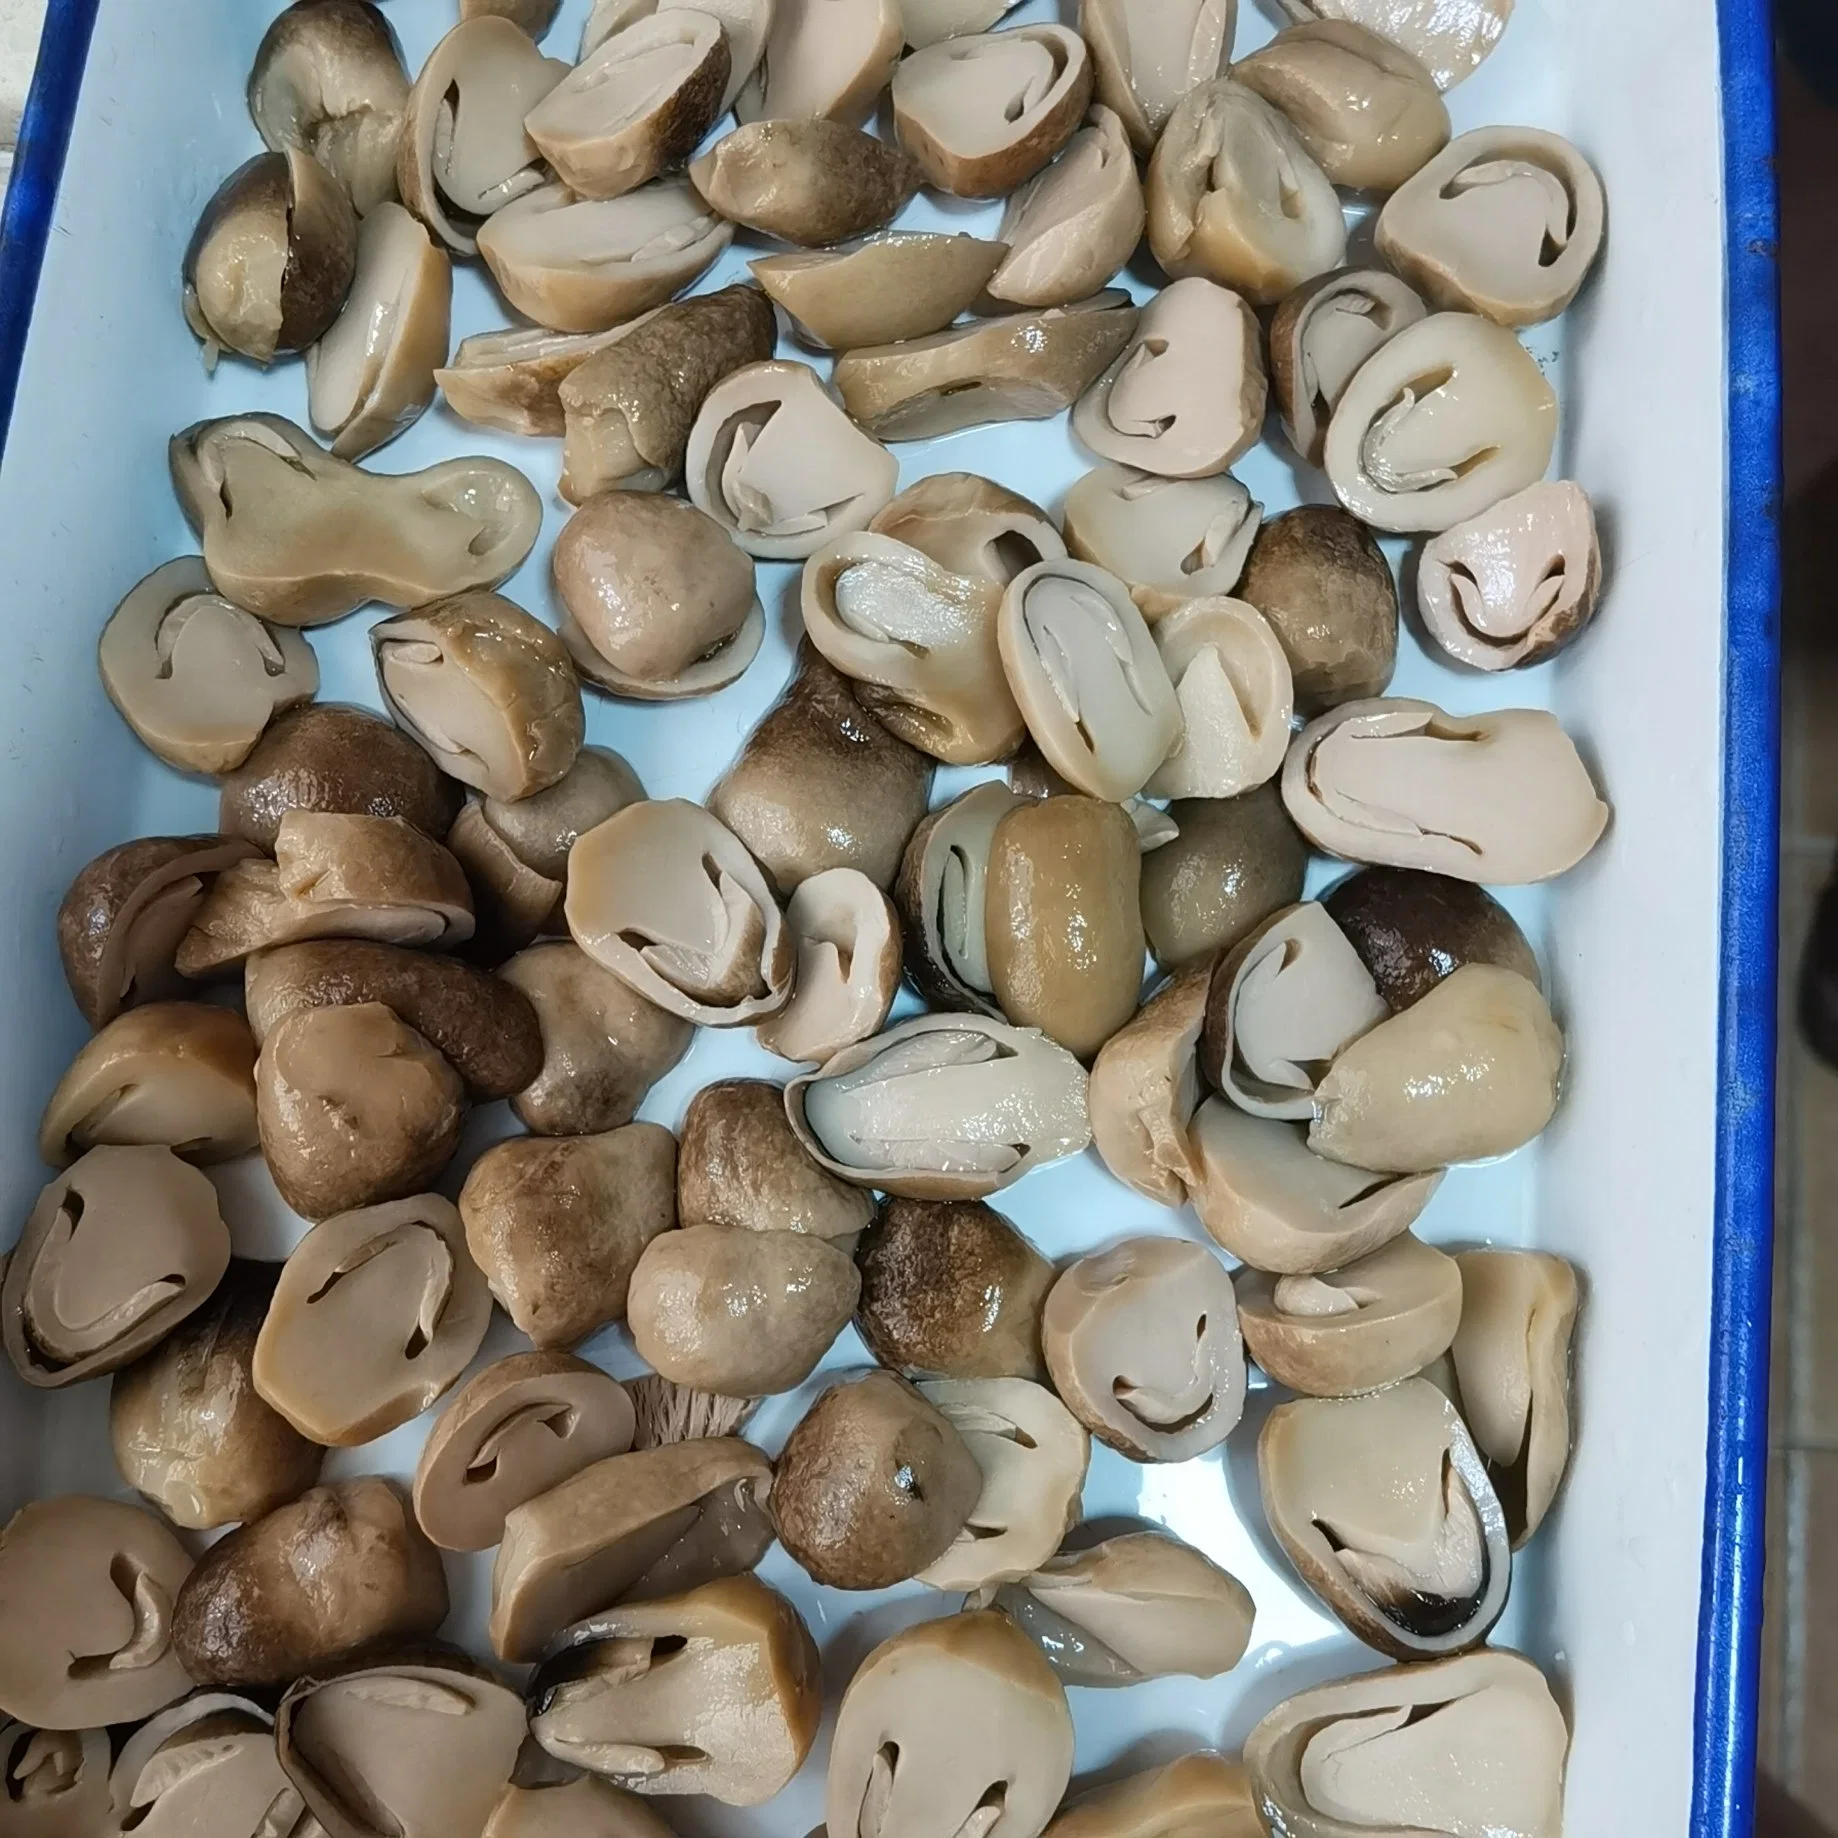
x: 441, y: 976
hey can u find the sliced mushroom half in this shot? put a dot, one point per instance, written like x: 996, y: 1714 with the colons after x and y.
x: 927, y: 21
x: 1145, y: 59
x: 744, y: 25
x: 1449, y: 39
x: 1231, y: 677
x: 1200, y: 1791
x: 971, y: 525
x: 512, y: 379
x: 902, y: 284
x: 848, y: 943
x: 942, y: 894
x: 827, y: 59
x: 53, y: 1783
x: 1168, y: 540
x: 206, y: 1768
x: 577, y: 1806
x: 1145, y: 1088
x: 806, y: 182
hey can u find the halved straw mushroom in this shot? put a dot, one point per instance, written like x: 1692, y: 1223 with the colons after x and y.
x: 512, y: 902
x: 1319, y: 338
x: 377, y: 1312
x: 205, y: 1768
x: 343, y: 1566
x: 1505, y: 222
x: 1025, y: 367
x: 776, y: 461
x: 827, y: 59
x: 927, y: 21
x: 464, y: 154
x: 1091, y: 684
x: 578, y: 1806
x: 972, y: 526
x: 1367, y: 110
x: 1033, y: 1454
x: 657, y: 603
x: 1231, y: 678
x: 1138, y: 1606
x: 806, y: 182
x: 328, y: 79
x: 371, y: 375
x: 196, y: 677
x: 1501, y: 797
x: 53, y: 1783
x: 520, y: 1427
x: 154, y: 1248
x: 942, y: 1107
x: 848, y: 943
x: 1144, y: 60
x: 1469, y: 1744
x: 532, y: 16
x: 744, y: 25
x: 584, y: 264
x: 1201, y: 1791
x: 942, y: 895
x: 635, y: 105
x: 558, y: 1224
x: 177, y: 1074
x: 901, y: 284
x: 1272, y: 1203
x: 956, y: 1724
x: 631, y: 1528
x: 1186, y: 396
x: 1512, y: 1360
x: 1368, y: 1324
x: 1145, y: 1088
x: 628, y: 408
x: 86, y: 1593
x: 1071, y: 227
x: 1231, y: 863
x: 297, y: 536
x: 512, y: 379
x: 1168, y: 540
x: 1513, y: 586
x: 1235, y: 196
x: 718, y: 1691
x: 272, y: 257
x: 1412, y: 930
x: 541, y: 828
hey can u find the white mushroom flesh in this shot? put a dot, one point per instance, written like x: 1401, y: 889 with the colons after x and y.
x: 1168, y: 540
x: 1231, y: 677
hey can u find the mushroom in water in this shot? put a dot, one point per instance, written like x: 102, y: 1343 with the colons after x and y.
x: 558, y: 1224
x: 1512, y: 1361
x: 955, y: 1723
x: 848, y: 943
x: 272, y: 258
x: 341, y: 1567
x: 1513, y: 586
x: 776, y: 461
x: 971, y: 525
x: 1142, y: 1342
x: 1144, y: 60
x: 298, y: 536
x: 328, y: 80
x: 809, y: 182
x: 826, y: 59
x: 1449, y: 40
x: 523, y: 1425
x: 717, y: 1691
x: 1381, y: 1318
x: 86, y: 1594
x: 204, y: 1768
x: 1138, y: 1606
x: 117, y: 1251
x: 582, y: 1806
x: 744, y: 25
x: 630, y: 1528
x: 1197, y: 1792
x: 1235, y: 196
x: 1168, y: 540
x: 1413, y: 929
x: 189, y: 1429
x: 1145, y: 1087
x: 902, y: 284
x: 1500, y: 797
x: 512, y: 379
x: 942, y: 896
x: 196, y: 677
x: 1231, y: 677
x: 53, y: 1783
x: 942, y: 1107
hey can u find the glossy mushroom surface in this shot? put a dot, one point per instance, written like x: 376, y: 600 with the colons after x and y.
x: 1232, y: 679
x: 55, y: 1782
x: 943, y: 895
x: 900, y: 284
x: 1144, y: 60
x: 806, y: 182
x: 1145, y: 1088
x: 1231, y: 863
x: 848, y: 943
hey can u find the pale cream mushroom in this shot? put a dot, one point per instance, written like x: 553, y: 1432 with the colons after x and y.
x: 1368, y: 111
x: 1071, y: 227
x: 1146, y: 58
x: 1276, y: 1206
x: 1512, y: 1361
x: 1201, y: 1791
x: 744, y: 24
x: 984, y: 112
x: 901, y: 284
x: 1033, y: 1454
x: 540, y: 829
x: 927, y: 21
x: 584, y: 264
x: 180, y: 1075
x: 196, y: 677
x: 919, y: 643
x: 1449, y: 38
x: 635, y: 105
x: 1145, y: 1088
x: 1138, y: 1606
x: 1185, y: 398
x: 1235, y: 196
x: 1230, y: 864
x: 827, y: 59
x: 1091, y: 684
x: 1513, y: 586
x: 848, y: 942
x: 1368, y: 1324
x: 942, y: 895
x: 532, y: 16
x: 1231, y: 678
x: 971, y: 525
x: 579, y: 1806
x: 630, y: 1528
x: 1474, y: 1744
x: 153, y: 1248
x: 299, y: 537
x: 464, y: 154
x: 942, y: 1107
x: 718, y: 1691
x: 53, y: 1783
x: 1024, y: 367
x: 807, y: 182
x: 1319, y: 338
x: 512, y: 379
x: 206, y: 1768
x: 953, y: 1726
x: 1168, y: 540
x: 1502, y: 797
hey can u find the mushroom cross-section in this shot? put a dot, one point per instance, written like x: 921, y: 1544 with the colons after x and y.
x: 1146, y: 58
x: 824, y: 59
x: 205, y: 1768
x: 1145, y: 1088
x: 806, y: 182
x: 848, y: 940
x: 1168, y: 540
x: 1232, y: 679
x: 512, y: 379
x: 744, y: 26
x: 1448, y: 37
x: 972, y: 525
x: 1200, y: 1791
x: 942, y: 894
x: 53, y: 1783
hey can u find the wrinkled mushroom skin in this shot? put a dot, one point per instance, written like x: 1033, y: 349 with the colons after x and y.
x: 1201, y: 1792
x: 342, y: 1566
x: 1145, y: 59
x: 1168, y: 540
x: 848, y: 939
x: 903, y: 284
x: 824, y: 59
x: 558, y: 1224
x: 810, y: 183
x: 53, y: 1783
x: 1145, y: 1087
x: 972, y: 526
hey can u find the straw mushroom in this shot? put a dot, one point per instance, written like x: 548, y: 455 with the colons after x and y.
x: 205, y: 1768
x: 511, y: 380
x: 1412, y: 930
x: 1449, y: 40
x: 827, y: 59
x: 1168, y: 540
x: 971, y: 525
x: 53, y: 1783
x: 1232, y: 680
x: 581, y: 1806
x: 1145, y: 1088
x: 540, y: 829
x: 667, y: 1413
x: 942, y: 896
x: 1144, y: 61
x: 809, y: 182
x: 744, y: 25
x: 1232, y: 863
x: 848, y: 971
x: 1201, y: 1791
x: 901, y: 284
x: 532, y: 16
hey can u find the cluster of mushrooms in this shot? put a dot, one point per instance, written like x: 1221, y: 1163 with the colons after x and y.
x: 403, y: 917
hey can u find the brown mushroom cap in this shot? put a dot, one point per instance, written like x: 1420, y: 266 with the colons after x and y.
x: 53, y: 1783
x: 512, y: 379
x: 204, y: 1768
x: 942, y: 895
x: 1197, y: 1792
x: 971, y: 525
x: 342, y: 1566
x: 902, y: 284
x: 1232, y: 679
x: 520, y: 1427
x: 189, y: 1429
x: 848, y: 942
x: 511, y: 901
x: 823, y: 58
x: 1448, y: 39
x: 584, y: 1807
x: 1144, y: 61
x: 1145, y: 1087
x: 809, y: 182
x: 1168, y: 540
